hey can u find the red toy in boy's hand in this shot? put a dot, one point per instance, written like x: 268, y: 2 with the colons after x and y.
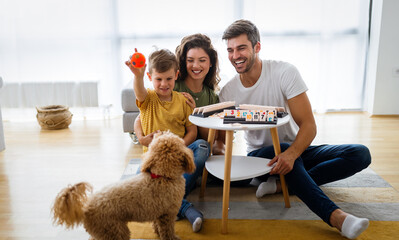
x: 138, y: 59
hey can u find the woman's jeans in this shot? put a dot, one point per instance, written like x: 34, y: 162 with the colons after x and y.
x: 319, y: 165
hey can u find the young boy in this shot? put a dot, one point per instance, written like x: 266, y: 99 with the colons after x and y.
x: 164, y: 109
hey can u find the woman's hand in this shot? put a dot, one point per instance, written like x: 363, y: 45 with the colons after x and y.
x: 218, y: 148
x: 190, y: 100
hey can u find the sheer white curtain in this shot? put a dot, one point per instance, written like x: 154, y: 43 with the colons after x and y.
x: 88, y: 40
x: 325, y: 39
x: 52, y: 49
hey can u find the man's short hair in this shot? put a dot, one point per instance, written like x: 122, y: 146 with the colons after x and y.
x: 242, y: 26
x: 162, y: 60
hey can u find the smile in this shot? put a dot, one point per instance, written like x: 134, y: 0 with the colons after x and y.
x: 239, y: 62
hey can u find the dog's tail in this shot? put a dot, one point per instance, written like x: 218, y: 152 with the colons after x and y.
x: 68, y: 205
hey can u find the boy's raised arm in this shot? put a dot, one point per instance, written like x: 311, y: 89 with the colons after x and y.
x: 138, y: 86
x: 138, y: 82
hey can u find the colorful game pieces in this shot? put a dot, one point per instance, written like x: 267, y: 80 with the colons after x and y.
x: 250, y: 116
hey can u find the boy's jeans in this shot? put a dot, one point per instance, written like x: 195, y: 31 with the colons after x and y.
x: 201, y: 150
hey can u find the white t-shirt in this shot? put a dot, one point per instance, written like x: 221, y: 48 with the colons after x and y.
x: 278, y: 82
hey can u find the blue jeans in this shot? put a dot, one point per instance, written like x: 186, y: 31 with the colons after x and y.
x: 201, y: 150
x: 319, y: 165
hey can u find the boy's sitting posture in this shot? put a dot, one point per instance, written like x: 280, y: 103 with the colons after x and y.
x: 164, y: 109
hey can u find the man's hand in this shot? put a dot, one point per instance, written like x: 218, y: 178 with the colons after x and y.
x: 190, y: 100
x: 146, y: 140
x: 284, y: 162
x: 301, y: 112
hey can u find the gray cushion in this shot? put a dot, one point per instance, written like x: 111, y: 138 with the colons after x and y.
x: 128, y: 121
x: 129, y: 107
x: 129, y: 100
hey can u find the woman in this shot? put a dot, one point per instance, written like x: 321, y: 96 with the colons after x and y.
x: 198, y: 80
x: 199, y: 73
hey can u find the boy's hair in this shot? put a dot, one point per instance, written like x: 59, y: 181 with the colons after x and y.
x: 162, y: 60
x: 242, y: 27
x: 204, y: 42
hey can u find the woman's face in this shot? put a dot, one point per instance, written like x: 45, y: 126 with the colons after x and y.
x: 197, y: 63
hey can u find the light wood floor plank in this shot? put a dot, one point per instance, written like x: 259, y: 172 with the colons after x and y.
x: 38, y: 163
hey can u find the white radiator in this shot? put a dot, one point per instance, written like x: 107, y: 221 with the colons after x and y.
x: 32, y: 94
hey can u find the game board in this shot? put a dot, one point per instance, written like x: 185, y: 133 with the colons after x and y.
x: 245, y: 113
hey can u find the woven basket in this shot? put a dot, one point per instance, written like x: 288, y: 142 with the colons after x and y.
x: 54, y: 117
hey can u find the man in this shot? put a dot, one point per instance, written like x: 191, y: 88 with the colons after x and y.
x: 273, y: 83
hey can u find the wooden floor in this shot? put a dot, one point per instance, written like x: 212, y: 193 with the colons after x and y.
x: 37, y: 164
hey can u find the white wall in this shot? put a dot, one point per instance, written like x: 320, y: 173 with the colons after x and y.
x: 2, y: 142
x: 382, y: 88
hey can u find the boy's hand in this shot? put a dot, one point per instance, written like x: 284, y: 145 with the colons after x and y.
x: 190, y: 100
x: 138, y: 72
x: 146, y: 140
x: 138, y: 82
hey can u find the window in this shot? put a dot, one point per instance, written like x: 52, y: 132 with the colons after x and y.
x: 89, y: 40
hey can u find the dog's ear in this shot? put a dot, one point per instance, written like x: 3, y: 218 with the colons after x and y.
x: 147, y: 163
x: 188, y: 160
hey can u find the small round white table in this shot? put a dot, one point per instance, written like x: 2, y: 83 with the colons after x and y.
x: 237, y: 167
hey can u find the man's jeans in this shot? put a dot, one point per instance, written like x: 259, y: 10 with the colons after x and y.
x: 319, y: 165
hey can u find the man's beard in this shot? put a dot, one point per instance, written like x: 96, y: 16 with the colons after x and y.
x: 251, y: 62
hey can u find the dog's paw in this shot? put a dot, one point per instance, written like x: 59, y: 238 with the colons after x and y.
x: 175, y: 238
x: 156, y: 228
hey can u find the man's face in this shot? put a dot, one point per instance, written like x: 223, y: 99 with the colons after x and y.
x: 241, y: 53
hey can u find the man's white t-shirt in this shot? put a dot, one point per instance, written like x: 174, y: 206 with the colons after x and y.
x: 278, y: 82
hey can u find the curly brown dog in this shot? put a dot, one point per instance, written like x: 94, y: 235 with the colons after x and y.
x: 153, y: 195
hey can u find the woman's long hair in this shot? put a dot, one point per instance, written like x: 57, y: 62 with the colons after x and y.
x: 198, y: 40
